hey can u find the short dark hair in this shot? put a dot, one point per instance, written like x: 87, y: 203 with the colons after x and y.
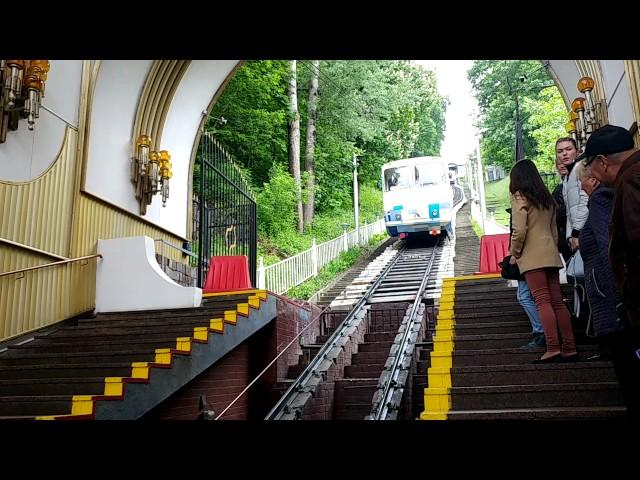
x: 566, y: 139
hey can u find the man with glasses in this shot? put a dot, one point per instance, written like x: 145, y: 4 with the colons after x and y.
x: 614, y: 161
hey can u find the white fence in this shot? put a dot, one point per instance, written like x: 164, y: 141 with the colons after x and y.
x: 292, y: 271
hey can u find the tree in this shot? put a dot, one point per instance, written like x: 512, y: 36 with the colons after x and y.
x: 309, y: 160
x: 496, y: 84
x: 294, y: 140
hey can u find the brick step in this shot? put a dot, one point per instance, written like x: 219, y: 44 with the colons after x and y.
x: 175, y: 312
x: 141, y: 355
x: 350, y: 391
x: 491, y: 317
x: 533, y: 374
x: 540, y: 396
x: 124, y: 334
x: 78, y: 370
x: 375, y: 347
x: 463, y: 297
x: 514, y: 309
x: 377, y: 325
x: 35, y: 405
x: 488, y: 328
x: 89, y: 345
x: 352, y: 411
x: 52, y: 386
x: 151, y: 321
x: 380, y: 337
x: 370, y: 370
x: 507, y: 356
x: 558, y: 413
x: 145, y: 323
x: 365, y: 358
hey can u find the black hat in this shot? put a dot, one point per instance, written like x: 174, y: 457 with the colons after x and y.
x: 606, y: 140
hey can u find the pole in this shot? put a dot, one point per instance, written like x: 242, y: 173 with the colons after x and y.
x: 480, y: 179
x: 355, y: 197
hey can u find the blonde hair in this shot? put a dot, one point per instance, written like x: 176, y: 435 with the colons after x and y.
x: 582, y: 171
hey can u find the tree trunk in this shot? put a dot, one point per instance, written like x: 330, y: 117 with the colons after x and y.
x: 294, y: 140
x: 309, y: 160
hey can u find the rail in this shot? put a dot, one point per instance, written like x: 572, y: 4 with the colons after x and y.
x: 391, y: 384
x: 52, y: 264
x: 298, y: 386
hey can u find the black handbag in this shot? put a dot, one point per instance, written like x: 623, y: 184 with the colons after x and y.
x: 508, y: 271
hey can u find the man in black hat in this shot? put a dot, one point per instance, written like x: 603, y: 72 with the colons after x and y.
x: 614, y: 161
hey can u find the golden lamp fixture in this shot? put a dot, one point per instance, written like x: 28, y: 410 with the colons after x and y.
x: 585, y: 115
x: 150, y: 172
x: 23, y: 84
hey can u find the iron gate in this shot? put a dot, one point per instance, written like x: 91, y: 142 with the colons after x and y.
x: 224, y: 210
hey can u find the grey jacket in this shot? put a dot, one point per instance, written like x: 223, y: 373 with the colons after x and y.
x: 575, y: 200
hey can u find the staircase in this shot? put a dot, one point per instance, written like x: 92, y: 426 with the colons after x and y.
x: 120, y: 365
x: 492, y: 376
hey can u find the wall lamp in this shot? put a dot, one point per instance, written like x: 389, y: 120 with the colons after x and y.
x: 150, y: 172
x: 585, y: 114
x: 23, y: 83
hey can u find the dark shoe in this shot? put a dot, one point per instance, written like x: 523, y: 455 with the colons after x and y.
x: 536, y: 342
x: 539, y: 340
x: 557, y: 358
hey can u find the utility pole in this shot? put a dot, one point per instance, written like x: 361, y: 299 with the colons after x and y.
x: 519, y: 142
x: 355, y: 197
x: 480, y: 178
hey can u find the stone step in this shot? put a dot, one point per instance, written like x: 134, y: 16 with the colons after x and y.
x: 371, y: 370
x: 52, y: 386
x: 138, y: 355
x: 557, y: 413
x: 531, y: 374
x: 81, y: 370
x: 540, y: 396
x: 375, y: 347
x: 507, y: 356
x: 35, y: 405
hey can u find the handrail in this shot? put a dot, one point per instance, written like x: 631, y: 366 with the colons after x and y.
x: 32, y: 249
x: 53, y: 264
x: 183, y: 250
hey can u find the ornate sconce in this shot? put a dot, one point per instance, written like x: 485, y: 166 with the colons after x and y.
x: 150, y: 172
x: 23, y: 83
x: 585, y: 113
x: 585, y: 85
x: 577, y: 106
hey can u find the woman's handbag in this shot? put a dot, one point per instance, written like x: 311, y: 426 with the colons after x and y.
x: 575, y: 267
x: 509, y: 271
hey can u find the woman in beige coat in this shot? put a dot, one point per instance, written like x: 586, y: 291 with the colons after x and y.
x: 534, y: 248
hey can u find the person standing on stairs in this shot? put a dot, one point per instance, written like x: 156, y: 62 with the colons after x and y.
x: 528, y: 304
x: 534, y: 248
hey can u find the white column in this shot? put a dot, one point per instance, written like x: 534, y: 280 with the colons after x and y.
x: 261, y: 281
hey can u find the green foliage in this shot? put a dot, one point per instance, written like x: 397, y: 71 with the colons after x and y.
x: 276, y: 203
x: 547, y: 117
x: 496, y: 84
x: 497, y: 197
x: 477, y: 228
x: 374, y: 109
x: 346, y: 259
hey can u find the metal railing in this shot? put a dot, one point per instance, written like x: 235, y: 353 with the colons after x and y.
x: 52, y: 264
x: 282, y: 276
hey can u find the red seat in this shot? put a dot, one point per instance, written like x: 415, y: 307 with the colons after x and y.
x: 493, y: 249
x: 227, y: 273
